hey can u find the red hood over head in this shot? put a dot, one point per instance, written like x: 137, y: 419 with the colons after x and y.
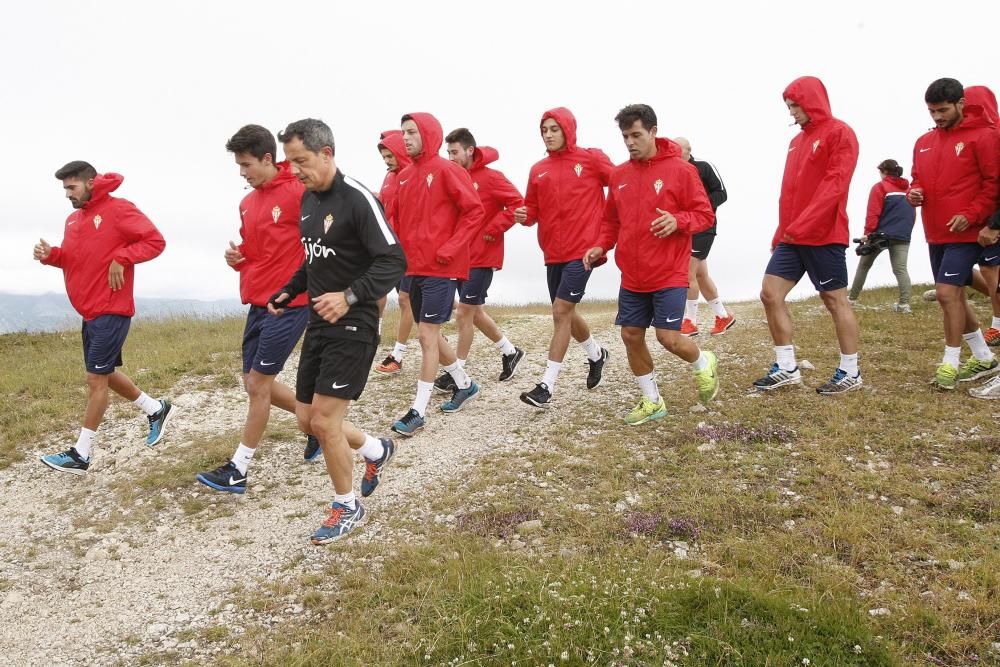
x: 392, y: 141
x: 104, y: 184
x: 484, y: 155
x: 567, y: 123
x: 666, y: 148
x: 983, y: 97
x: 810, y: 94
x: 431, y: 134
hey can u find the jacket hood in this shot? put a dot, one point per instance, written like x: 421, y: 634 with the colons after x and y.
x: 392, y: 141
x: 283, y: 176
x: 431, y: 134
x: 104, y: 185
x: 665, y: 148
x: 810, y: 94
x: 983, y: 97
x: 484, y: 155
x: 567, y: 123
x: 898, y: 181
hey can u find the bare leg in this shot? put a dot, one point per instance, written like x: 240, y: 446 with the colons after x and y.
x: 958, y: 315
x: 464, y: 316
x: 405, y: 318
x: 97, y: 400
x: 678, y: 345
x: 566, y: 322
x: 843, y: 319
x: 773, y: 292
x: 693, y: 286
x: 705, y: 282
x: 639, y: 359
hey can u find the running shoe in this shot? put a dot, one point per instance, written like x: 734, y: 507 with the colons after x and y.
x: 707, y: 379
x: 596, y: 372
x: 409, y: 423
x: 989, y: 391
x: 906, y: 310
x: 510, y: 362
x: 158, y: 422
x: 973, y: 369
x: 776, y: 377
x: 445, y: 384
x: 723, y: 324
x: 945, y: 377
x: 340, y: 520
x: 992, y: 337
x: 646, y: 411
x: 68, y: 461
x: 389, y: 366
x: 688, y: 328
x: 460, y: 397
x: 373, y: 469
x: 840, y: 383
x: 540, y: 396
x: 312, y: 448
x: 224, y: 478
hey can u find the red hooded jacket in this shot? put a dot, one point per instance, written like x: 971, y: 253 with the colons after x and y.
x: 106, y: 228
x: 392, y: 141
x: 636, y: 189
x: 437, y: 210
x: 900, y: 212
x: 958, y: 170
x: 499, y: 198
x: 821, y: 159
x: 566, y: 194
x: 269, y: 227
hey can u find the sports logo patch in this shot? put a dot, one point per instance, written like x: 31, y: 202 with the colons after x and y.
x: 958, y: 148
x: 475, y: 185
x: 327, y: 221
x: 578, y: 168
x: 658, y: 185
x: 97, y: 221
x: 276, y: 213
x: 430, y: 179
x: 815, y: 145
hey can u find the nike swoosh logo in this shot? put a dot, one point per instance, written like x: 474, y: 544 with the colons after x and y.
x: 949, y: 275
x: 106, y: 365
x: 339, y: 386
x: 430, y: 314
x: 233, y: 481
x: 623, y: 185
x: 268, y: 363
x: 990, y: 259
x: 575, y: 293
x: 403, y: 181
x: 473, y: 296
x: 676, y: 319
x: 823, y: 282
x: 792, y: 149
x: 924, y: 150
x: 306, y: 217
x: 243, y: 212
x: 694, y: 251
x: 70, y: 223
x: 542, y: 174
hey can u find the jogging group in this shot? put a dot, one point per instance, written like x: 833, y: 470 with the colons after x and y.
x: 319, y: 253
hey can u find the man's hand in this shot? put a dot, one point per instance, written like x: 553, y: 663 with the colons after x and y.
x: 330, y: 306
x: 233, y: 255
x: 592, y: 256
x: 42, y: 250
x: 958, y: 223
x: 274, y: 303
x: 520, y: 215
x: 442, y: 259
x: 988, y: 237
x: 915, y: 196
x: 863, y: 238
x: 663, y: 226
x: 116, y: 276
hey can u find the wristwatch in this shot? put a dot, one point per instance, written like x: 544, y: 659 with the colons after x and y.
x: 350, y: 297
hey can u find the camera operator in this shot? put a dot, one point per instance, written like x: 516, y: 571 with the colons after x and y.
x: 888, y: 224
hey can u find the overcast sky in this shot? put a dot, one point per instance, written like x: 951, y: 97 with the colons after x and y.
x: 154, y: 90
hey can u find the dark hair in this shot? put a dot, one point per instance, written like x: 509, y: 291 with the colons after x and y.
x: 944, y: 90
x: 642, y: 112
x: 76, y: 169
x: 462, y: 136
x: 315, y: 134
x: 254, y: 140
x: 890, y: 167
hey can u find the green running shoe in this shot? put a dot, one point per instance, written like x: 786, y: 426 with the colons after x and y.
x: 708, y: 379
x: 646, y: 411
x: 973, y: 369
x: 945, y: 377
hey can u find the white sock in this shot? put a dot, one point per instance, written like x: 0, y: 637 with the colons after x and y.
x: 720, y: 310
x: 785, y: 356
x: 423, y: 397
x: 242, y: 458
x: 552, y: 369
x: 691, y: 311
x: 952, y: 355
x: 380, y: 326
x: 849, y: 363
x: 397, y: 351
x: 592, y: 349
x: 148, y: 405
x: 996, y: 323
x: 701, y: 363
x: 346, y: 499
x: 85, y: 443
x: 976, y: 343
x: 505, y: 346
x: 372, y: 449
x: 458, y: 374
x: 647, y: 385
x: 461, y: 363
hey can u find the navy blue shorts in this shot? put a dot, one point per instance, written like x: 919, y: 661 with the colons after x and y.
x: 664, y: 309
x: 432, y: 298
x: 990, y: 255
x: 473, y: 291
x: 404, y: 284
x: 567, y: 281
x: 103, y: 339
x: 701, y: 244
x: 951, y: 263
x: 335, y: 367
x: 825, y: 264
x: 269, y: 339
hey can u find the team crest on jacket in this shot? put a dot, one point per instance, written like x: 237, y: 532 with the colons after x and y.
x: 815, y: 145
x: 97, y: 221
x: 430, y: 179
x: 475, y: 185
x: 276, y: 213
x: 958, y: 147
x: 327, y: 221
x: 578, y: 168
x: 658, y: 185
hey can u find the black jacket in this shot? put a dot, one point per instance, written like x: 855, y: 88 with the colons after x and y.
x: 713, y: 187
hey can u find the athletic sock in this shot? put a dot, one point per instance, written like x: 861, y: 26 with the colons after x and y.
x: 397, y: 351
x: 505, y: 346
x: 976, y: 343
x: 372, y: 449
x: 701, y: 363
x: 849, y: 364
x: 346, y: 499
x: 552, y: 369
x: 952, y: 355
x: 242, y: 458
x: 592, y: 349
x: 423, y: 397
x: 691, y: 311
x: 461, y: 363
x: 458, y: 374
x: 720, y: 310
x: 148, y: 405
x: 785, y: 356
x: 996, y: 323
x: 380, y: 326
x: 647, y: 385
x: 85, y: 443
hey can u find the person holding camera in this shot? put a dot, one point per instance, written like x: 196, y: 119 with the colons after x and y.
x: 888, y: 226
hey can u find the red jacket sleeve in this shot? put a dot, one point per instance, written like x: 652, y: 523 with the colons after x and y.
x: 242, y: 248
x: 55, y: 257
x: 696, y: 213
x: 985, y: 202
x: 458, y: 184
x: 144, y: 240
x: 876, y: 202
x: 610, y: 224
x: 603, y: 164
x: 836, y: 182
x: 531, y: 200
x: 504, y: 190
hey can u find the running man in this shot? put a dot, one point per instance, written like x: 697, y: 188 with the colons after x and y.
x: 268, y: 254
x: 105, y: 237
x: 812, y: 235
x: 956, y: 177
x: 566, y: 198
x: 699, y: 282
x: 437, y: 213
x: 352, y: 259
x: 655, y: 203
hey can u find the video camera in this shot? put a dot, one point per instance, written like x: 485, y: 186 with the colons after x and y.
x: 875, y: 242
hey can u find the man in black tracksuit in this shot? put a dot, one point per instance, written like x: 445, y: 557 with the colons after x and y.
x: 352, y: 259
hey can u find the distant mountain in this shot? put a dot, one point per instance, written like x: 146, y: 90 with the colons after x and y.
x: 53, y: 312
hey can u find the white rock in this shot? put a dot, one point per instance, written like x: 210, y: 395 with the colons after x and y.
x: 621, y: 506
x: 698, y: 407
x: 705, y: 447
x: 881, y: 611
x: 806, y: 365
x: 897, y: 510
x: 526, y: 527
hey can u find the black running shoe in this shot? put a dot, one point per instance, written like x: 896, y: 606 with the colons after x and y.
x: 445, y: 384
x: 596, y: 372
x: 224, y: 478
x: 373, y: 469
x: 510, y: 362
x: 312, y: 449
x: 539, y: 397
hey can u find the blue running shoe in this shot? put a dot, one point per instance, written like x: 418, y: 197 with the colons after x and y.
x: 224, y: 478
x: 373, y: 469
x: 340, y: 521
x: 460, y: 398
x: 68, y: 461
x: 158, y: 422
x: 312, y: 449
x: 409, y: 423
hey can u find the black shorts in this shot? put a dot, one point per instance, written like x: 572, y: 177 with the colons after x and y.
x: 268, y: 340
x: 334, y: 366
x: 567, y: 281
x: 664, y: 309
x: 825, y: 264
x: 951, y: 263
x: 474, y: 290
x: 103, y: 339
x: 701, y: 244
x: 432, y: 299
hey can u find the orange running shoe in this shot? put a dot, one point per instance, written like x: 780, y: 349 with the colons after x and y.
x: 992, y: 337
x: 723, y: 324
x: 390, y: 366
x: 688, y: 328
